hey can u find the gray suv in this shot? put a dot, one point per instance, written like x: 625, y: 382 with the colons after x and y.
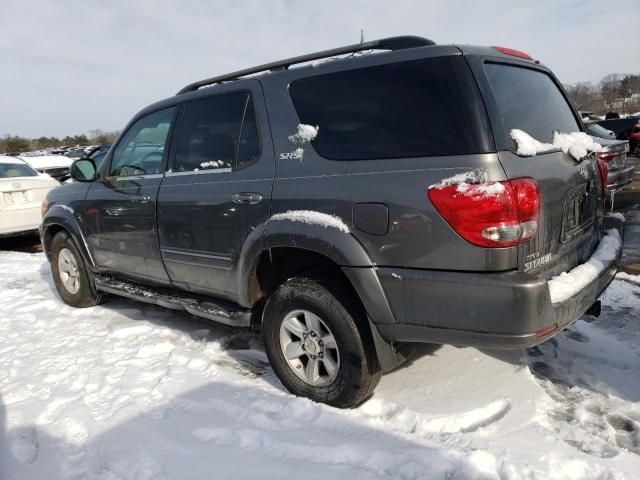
x: 347, y: 208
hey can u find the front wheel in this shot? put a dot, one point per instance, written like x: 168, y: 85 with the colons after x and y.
x: 318, y: 342
x: 70, y: 274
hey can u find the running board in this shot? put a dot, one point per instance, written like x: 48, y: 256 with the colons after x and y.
x: 225, y: 313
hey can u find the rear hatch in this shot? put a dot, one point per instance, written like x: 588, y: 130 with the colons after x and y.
x: 529, y: 98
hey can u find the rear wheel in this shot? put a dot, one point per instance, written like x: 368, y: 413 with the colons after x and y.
x: 70, y: 274
x: 319, y: 344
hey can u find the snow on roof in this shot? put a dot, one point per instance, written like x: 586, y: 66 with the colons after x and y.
x: 576, y: 144
x: 567, y: 284
x: 311, y: 217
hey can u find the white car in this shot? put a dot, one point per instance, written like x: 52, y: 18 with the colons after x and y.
x: 56, y: 166
x: 22, y: 190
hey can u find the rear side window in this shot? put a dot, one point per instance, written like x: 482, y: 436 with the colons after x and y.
x: 419, y: 108
x: 217, y: 133
x: 531, y: 101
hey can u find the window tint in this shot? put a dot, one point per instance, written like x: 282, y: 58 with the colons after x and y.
x: 419, y: 108
x: 140, y: 150
x: 10, y: 170
x: 210, y: 134
x: 531, y: 101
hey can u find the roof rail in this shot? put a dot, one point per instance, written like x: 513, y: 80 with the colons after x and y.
x: 391, y: 43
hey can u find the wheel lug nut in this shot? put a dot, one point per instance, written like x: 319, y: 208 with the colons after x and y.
x: 320, y: 342
x: 313, y: 334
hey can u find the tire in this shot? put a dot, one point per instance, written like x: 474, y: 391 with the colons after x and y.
x: 83, y: 296
x: 299, y: 303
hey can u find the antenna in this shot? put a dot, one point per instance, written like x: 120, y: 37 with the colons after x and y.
x: 361, y: 35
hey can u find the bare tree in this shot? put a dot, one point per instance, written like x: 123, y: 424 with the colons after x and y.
x: 582, y: 95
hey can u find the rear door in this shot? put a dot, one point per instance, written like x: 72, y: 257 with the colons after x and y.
x: 218, y: 190
x: 530, y: 99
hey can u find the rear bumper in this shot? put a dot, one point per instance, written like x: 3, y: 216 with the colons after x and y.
x: 19, y: 220
x: 616, y: 180
x: 493, y: 310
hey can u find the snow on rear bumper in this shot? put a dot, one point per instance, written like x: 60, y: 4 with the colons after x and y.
x: 489, y: 310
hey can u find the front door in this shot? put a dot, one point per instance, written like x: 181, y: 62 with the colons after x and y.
x: 120, y: 207
x: 218, y: 190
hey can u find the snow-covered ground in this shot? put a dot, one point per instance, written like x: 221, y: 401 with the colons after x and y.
x: 131, y: 391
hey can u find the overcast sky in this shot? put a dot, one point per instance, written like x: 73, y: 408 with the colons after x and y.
x: 70, y: 66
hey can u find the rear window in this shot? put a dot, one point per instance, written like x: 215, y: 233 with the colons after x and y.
x: 10, y: 170
x: 531, y: 101
x: 425, y: 107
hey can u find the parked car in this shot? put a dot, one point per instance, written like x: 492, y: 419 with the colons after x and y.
x: 56, y: 166
x: 619, y: 171
x: 75, y: 153
x: 324, y: 206
x: 596, y: 130
x: 634, y: 137
x: 22, y: 190
x: 97, y: 153
x: 625, y: 129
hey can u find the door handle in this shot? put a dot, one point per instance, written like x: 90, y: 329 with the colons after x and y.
x: 139, y: 198
x: 246, y: 198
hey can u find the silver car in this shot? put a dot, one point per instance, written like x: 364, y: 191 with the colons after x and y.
x: 620, y: 171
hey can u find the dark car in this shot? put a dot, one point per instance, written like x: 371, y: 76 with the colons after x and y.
x: 627, y: 128
x: 97, y: 153
x: 594, y: 129
x: 346, y: 209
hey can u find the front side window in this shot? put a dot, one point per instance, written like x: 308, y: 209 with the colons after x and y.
x: 217, y: 133
x: 417, y: 108
x: 141, y: 149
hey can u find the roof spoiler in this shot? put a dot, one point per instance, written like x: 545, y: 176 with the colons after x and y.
x: 391, y: 43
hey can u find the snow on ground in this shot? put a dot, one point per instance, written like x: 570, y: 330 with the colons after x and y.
x: 131, y: 391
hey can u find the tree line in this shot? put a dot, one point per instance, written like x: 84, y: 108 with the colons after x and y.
x: 16, y: 143
x: 617, y: 92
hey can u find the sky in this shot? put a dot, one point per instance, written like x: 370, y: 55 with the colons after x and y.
x: 72, y: 66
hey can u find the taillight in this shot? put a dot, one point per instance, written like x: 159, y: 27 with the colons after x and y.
x: 606, y: 156
x: 494, y: 214
x: 513, y: 52
x: 604, y: 173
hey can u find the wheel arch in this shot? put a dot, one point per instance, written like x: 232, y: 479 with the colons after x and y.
x: 286, y: 248
x: 62, y: 221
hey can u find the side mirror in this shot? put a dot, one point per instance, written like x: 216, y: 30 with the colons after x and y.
x: 83, y: 170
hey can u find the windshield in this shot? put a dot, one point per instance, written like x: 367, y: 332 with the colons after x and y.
x: 10, y: 170
x: 531, y: 101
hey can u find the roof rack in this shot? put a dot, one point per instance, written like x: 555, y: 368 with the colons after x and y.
x: 391, y: 43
